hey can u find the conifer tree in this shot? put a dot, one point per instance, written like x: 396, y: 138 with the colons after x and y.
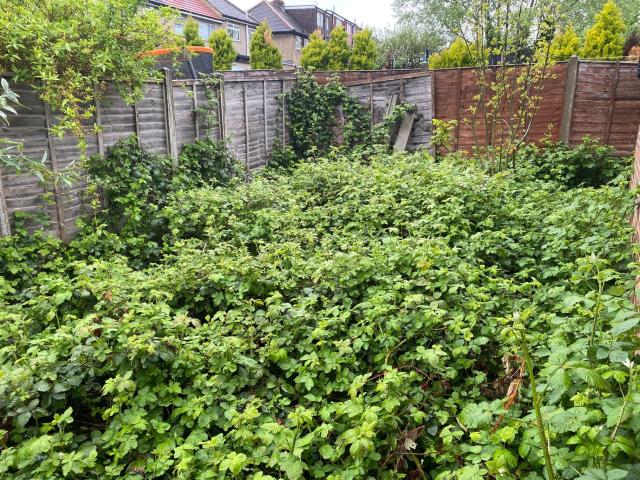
x: 457, y: 55
x: 191, y: 33
x: 338, y: 51
x: 263, y: 54
x: 223, y: 52
x: 314, y: 54
x: 365, y: 51
x: 564, y: 45
x: 605, y: 39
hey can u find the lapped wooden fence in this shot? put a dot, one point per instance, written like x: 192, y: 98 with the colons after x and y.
x: 167, y: 117
x: 600, y: 99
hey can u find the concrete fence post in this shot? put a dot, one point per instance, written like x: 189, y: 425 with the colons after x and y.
x: 571, y: 80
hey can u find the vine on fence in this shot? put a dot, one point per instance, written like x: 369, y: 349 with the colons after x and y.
x: 323, y: 116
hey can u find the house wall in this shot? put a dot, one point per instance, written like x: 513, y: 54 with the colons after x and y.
x: 286, y: 43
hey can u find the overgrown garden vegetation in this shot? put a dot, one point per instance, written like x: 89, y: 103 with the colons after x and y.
x: 378, y: 317
x: 346, y: 313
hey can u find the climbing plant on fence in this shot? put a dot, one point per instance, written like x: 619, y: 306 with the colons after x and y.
x: 313, y: 109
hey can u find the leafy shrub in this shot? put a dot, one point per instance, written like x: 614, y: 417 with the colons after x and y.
x: 342, y: 321
x: 443, y: 134
x: 587, y: 165
x: 208, y: 161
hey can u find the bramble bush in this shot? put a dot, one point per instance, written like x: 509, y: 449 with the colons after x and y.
x: 344, y: 320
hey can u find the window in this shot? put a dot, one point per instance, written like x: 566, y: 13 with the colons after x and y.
x: 298, y: 43
x: 234, y: 31
x: 320, y: 19
x: 251, y: 32
x: 205, y: 30
x: 179, y: 27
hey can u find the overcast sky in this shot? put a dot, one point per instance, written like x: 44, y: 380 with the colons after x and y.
x: 372, y: 13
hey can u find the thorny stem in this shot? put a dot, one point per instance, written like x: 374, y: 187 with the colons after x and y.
x: 625, y: 402
x: 536, y: 405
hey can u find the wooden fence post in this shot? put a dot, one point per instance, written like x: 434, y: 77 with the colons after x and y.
x: 571, y: 81
x: 607, y: 132
x: 57, y: 194
x: 222, y: 109
x: 246, y: 125
x: 458, y: 98
x: 5, y: 226
x: 170, y: 116
x: 136, y: 122
x: 284, y: 106
x: 99, y: 135
x: 194, y: 93
x: 264, y: 116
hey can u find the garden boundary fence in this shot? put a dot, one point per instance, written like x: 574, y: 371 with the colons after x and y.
x: 600, y: 99
x: 171, y: 114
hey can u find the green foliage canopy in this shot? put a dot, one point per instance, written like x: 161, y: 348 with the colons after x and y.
x: 69, y: 50
x: 224, y: 54
x: 314, y: 54
x: 405, y: 46
x: 263, y: 53
x: 605, y: 39
x: 191, y: 33
x: 338, y: 50
x: 364, y: 53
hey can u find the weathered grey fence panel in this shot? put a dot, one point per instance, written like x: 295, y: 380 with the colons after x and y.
x: 167, y: 117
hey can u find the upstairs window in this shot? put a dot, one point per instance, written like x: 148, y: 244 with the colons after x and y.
x: 298, y: 43
x: 179, y: 27
x: 320, y: 20
x: 234, y: 31
x: 251, y: 32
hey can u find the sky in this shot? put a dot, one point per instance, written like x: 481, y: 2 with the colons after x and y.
x: 371, y: 13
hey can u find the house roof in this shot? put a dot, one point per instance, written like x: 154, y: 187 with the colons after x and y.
x: 229, y: 10
x: 197, y: 7
x: 279, y: 20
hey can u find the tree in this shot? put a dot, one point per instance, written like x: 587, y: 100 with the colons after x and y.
x: 457, y: 55
x: 338, y: 51
x: 564, y: 45
x: 605, y: 39
x: 223, y: 52
x: 263, y: 53
x: 314, y: 54
x: 441, y: 17
x: 191, y: 33
x: 70, y: 58
x: 405, y: 46
x: 364, y: 52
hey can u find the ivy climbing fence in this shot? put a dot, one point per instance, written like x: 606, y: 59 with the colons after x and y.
x: 245, y: 110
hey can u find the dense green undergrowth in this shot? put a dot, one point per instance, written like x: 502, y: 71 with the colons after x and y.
x: 341, y: 320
